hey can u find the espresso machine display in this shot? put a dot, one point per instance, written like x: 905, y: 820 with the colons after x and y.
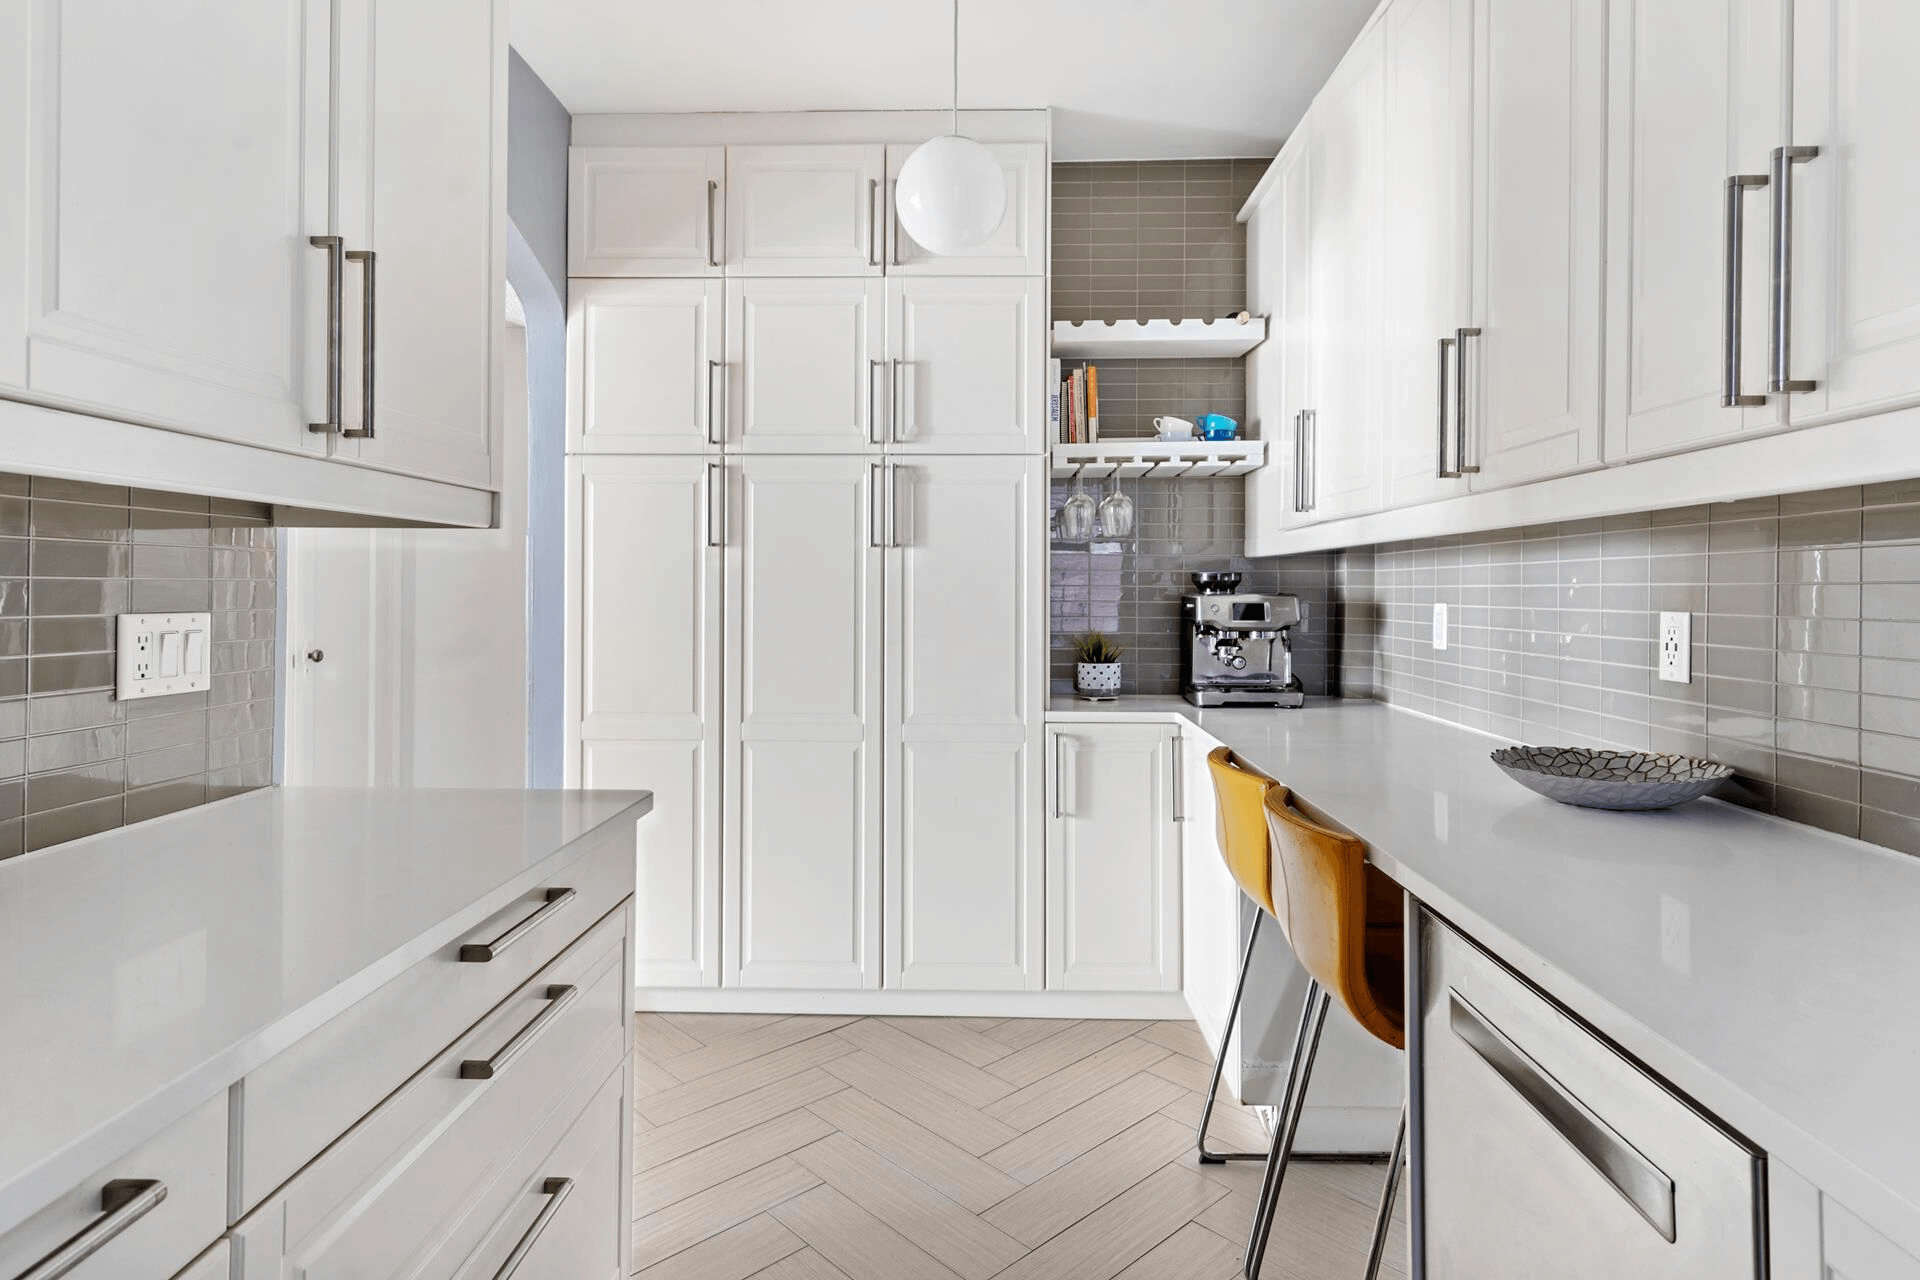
x: 1238, y: 651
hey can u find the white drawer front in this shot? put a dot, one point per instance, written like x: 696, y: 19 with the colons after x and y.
x: 300, y: 1101
x: 407, y: 1190
x: 189, y: 1161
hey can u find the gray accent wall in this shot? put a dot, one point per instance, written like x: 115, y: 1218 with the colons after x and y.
x: 73, y: 760
x: 1806, y: 643
x: 539, y: 131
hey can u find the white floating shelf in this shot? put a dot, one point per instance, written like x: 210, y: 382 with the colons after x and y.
x: 1155, y: 339
x: 1158, y: 459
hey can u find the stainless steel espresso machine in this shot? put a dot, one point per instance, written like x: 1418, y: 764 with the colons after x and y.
x: 1238, y: 652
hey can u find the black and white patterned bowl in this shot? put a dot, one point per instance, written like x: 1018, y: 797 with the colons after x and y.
x: 1611, y: 779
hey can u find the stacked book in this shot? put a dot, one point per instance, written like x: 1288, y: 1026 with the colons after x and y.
x: 1073, y: 404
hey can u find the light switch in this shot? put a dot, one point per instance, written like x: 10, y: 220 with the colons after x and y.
x: 157, y: 654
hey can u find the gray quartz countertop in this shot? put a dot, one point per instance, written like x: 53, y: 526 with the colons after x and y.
x: 1769, y: 970
x: 143, y: 970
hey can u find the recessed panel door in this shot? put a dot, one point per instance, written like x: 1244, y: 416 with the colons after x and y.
x: 806, y: 210
x: 806, y: 365
x: 646, y: 211
x: 1017, y: 247
x: 965, y: 696
x: 965, y: 362
x: 803, y: 724
x: 645, y: 366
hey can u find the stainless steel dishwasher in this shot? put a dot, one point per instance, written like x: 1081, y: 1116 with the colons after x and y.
x: 1545, y: 1153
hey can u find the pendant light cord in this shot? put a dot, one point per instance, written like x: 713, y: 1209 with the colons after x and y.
x: 956, y: 67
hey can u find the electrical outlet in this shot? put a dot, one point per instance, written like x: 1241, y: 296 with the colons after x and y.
x: 1676, y: 647
x: 163, y: 653
x: 1439, y: 624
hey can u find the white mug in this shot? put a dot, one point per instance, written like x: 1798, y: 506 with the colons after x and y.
x: 1173, y: 428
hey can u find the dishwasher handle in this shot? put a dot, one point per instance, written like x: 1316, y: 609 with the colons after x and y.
x: 1638, y: 1180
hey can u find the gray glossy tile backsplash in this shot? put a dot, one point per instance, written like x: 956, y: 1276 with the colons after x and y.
x: 73, y: 760
x: 1806, y: 643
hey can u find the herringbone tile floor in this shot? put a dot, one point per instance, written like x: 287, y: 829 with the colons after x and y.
x: 830, y: 1148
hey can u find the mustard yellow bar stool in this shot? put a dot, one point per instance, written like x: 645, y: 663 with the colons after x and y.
x: 1344, y: 920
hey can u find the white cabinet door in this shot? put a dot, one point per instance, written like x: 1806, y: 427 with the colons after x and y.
x: 1017, y: 248
x: 1427, y: 141
x: 644, y: 364
x: 1855, y: 258
x: 803, y: 725
x: 966, y: 365
x: 1344, y: 197
x: 644, y: 669
x: 645, y: 211
x: 1695, y: 101
x: 805, y: 210
x: 966, y: 676
x: 215, y: 1264
x: 806, y: 371
x: 1279, y: 370
x: 165, y: 168
x: 1852, y: 1250
x: 423, y: 167
x: 1539, y: 159
x: 1113, y: 860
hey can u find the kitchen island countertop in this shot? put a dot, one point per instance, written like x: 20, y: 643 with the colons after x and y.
x: 143, y: 970
x: 1770, y: 970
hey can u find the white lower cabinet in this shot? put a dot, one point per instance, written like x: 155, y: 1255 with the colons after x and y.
x: 803, y: 723
x: 966, y: 665
x: 1113, y: 857
x: 1812, y: 1236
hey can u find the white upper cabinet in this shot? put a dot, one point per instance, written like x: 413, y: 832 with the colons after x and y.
x: 646, y: 211
x: 806, y: 210
x: 1854, y: 260
x: 803, y: 718
x: 1426, y: 250
x: 165, y: 168
x: 1344, y: 198
x: 644, y: 669
x: 806, y: 365
x: 1539, y: 160
x: 1279, y: 260
x: 423, y: 194
x: 965, y: 366
x: 1017, y: 248
x: 1113, y: 858
x: 644, y: 365
x: 966, y: 669
x: 1696, y: 109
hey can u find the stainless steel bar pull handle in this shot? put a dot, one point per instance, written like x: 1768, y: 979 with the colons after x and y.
x: 874, y: 430
x: 716, y: 411
x: 1179, y: 779
x: 1784, y: 158
x: 558, y: 997
x: 896, y: 391
x: 893, y: 218
x: 1059, y: 775
x: 123, y: 1202
x: 1460, y: 463
x: 481, y: 952
x: 1730, y: 394
x: 893, y: 506
x: 873, y: 222
x: 556, y: 1190
x: 369, y: 308
x: 1638, y: 1180
x: 874, y: 504
x: 336, y: 249
x: 1300, y: 461
x: 1444, y: 472
x: 713, y: 246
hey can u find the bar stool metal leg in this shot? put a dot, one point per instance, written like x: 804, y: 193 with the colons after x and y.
x: 1220, y: 1059
x: 1383, y: 1222
x: 1306, y: 1044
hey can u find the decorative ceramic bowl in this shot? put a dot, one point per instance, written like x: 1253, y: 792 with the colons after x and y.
x: 1611, y: 779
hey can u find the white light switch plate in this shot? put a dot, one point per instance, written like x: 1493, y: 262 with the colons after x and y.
x: 162, y: 653
x: 1439, y: 624
x: 1676, y: 648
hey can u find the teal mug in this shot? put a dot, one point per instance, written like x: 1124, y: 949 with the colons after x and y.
x: 1217, y: 426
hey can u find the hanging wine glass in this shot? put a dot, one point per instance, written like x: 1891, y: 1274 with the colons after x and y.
x: 1116, y: 513
x: 1077, y: 514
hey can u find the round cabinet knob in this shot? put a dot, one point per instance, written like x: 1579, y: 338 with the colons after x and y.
x: 316, y: 655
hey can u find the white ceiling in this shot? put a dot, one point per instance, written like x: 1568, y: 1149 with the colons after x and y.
x: 1129, y: 79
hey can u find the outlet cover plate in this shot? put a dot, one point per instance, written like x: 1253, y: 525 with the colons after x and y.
x: 1675, y: 659
x: 158, y: 654
x: 1439, y: 624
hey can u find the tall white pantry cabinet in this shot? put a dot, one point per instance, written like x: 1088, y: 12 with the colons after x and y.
x: 807, y: 565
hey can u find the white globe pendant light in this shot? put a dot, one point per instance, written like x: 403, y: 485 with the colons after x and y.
x: 951, y: 194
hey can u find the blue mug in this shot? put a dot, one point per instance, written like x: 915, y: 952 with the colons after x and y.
x: 1217, y: 426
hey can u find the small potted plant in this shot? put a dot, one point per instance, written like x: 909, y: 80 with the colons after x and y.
x: 1097, y: 674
